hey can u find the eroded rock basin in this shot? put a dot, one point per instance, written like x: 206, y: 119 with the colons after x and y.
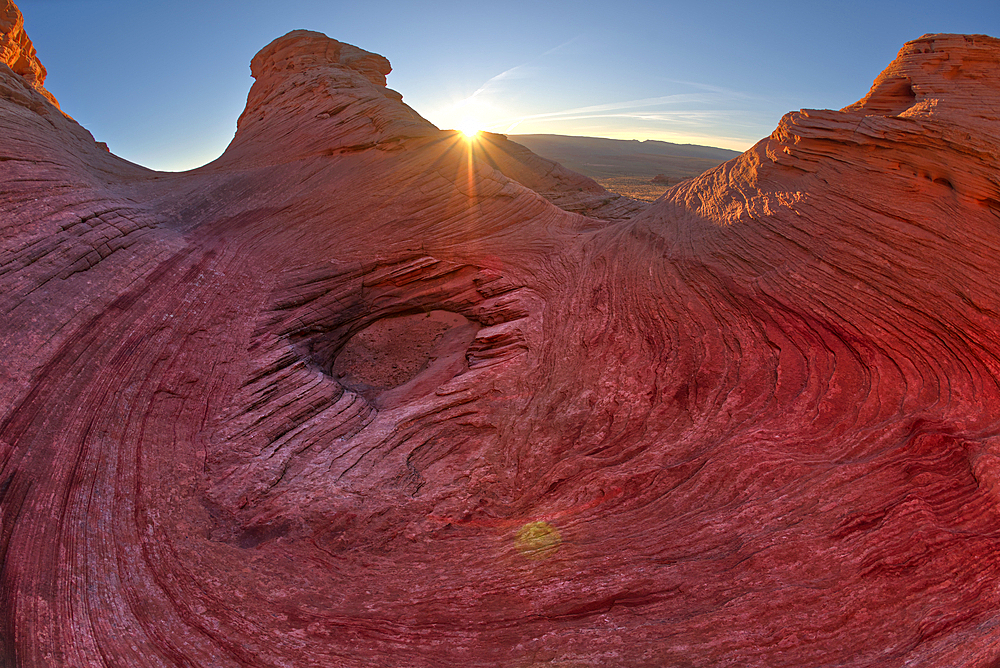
x: 401, y: 357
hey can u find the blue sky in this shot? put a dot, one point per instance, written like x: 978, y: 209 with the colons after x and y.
x: 164, y: 82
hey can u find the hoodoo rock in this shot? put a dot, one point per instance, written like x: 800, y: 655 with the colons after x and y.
x: 362, y: 392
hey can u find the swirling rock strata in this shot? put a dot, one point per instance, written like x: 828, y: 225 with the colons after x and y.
x: 355, y: 394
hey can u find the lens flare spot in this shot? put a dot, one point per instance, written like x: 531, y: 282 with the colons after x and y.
x: 537, y: 540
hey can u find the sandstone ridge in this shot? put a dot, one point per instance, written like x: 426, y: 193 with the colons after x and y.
x: 361, y: 392
x: 315, y: 96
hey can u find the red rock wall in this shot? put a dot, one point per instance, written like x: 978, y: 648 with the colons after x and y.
x: 754, y: 425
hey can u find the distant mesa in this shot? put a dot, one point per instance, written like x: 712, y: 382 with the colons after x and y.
x: 363, y: 393
x: 664, y: 180
x: 628, y: 167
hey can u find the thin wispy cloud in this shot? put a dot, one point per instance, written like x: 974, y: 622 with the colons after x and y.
x: 516, y: 72
x: 497, y: 85
x: 729, y: 92
x: 685, y: 117
x: 644, y: 109
x: 689, y: 107
x: 628, y: 104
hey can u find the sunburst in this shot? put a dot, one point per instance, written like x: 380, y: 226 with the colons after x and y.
x: 470, y: 128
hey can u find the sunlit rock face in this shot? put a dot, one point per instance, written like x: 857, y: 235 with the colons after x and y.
x: 18, y: 53
x: 356, y: 394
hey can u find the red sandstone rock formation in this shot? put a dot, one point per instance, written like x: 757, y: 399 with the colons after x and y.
x: 17, y: 52
x: 353, y: 396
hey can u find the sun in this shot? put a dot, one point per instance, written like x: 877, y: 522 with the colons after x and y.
x: 470, y: 128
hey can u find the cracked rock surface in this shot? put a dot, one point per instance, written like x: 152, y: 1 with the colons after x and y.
x: 363, y: 393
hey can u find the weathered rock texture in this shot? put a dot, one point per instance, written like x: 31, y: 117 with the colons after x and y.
x: 17, y: 52
x: 353, y: 396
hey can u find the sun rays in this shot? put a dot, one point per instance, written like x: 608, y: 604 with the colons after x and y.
x: 470, y: 128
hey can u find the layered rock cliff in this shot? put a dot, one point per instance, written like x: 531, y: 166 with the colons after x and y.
x: 356, y: 394
x: 18, y: 53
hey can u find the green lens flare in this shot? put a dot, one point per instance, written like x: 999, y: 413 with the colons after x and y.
x: 537, y: 540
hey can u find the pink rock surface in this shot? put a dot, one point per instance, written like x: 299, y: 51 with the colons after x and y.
x: 356, y: 395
